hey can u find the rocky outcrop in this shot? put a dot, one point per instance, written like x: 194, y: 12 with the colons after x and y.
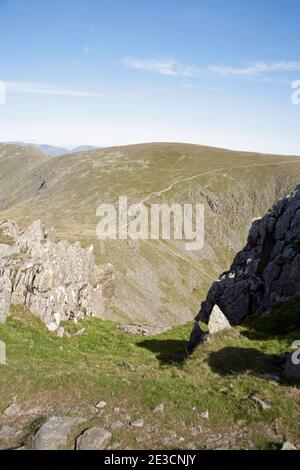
x: 55, y: 281
x: 266, y: 271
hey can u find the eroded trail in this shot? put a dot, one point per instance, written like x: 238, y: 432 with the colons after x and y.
x: 191, y: 178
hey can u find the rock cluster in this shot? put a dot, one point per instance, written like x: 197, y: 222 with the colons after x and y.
x: 55, y: 281
x: 266, y: 271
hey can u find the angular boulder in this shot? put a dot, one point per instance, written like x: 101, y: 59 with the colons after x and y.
x: 54, y: 434
x: 93, y: 439
x: 217, y: 321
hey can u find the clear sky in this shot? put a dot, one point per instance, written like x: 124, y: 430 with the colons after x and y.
x: 110, y: 72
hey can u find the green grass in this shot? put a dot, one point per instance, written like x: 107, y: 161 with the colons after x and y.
x: 68, y: 376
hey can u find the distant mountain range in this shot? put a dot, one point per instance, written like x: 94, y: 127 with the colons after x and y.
x: 53, y: 151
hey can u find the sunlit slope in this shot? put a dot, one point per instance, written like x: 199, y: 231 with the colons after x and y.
x: 156, y: 281
x: 15, y: 166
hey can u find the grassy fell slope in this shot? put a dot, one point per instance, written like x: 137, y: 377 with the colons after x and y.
x: 50, y: 376
x: 16, y: 164
x: 157, y: 281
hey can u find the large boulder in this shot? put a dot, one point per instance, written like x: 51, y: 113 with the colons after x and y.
x: 217, y: 321
x: 54, y: 434
x: 93, y: 439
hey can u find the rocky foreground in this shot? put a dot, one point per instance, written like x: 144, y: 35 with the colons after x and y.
x: 55, y: 281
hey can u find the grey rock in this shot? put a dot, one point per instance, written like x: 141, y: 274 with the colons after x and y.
x: 117, y: 425
x: 54, y: 434
x: 60, y: 332
x: 137, y: 423
x: 94, y: 439
x: 197, y: 337
x: 159, y: 409
x: 205, y: 415
x: 288, y: 446
x: 101, y: 405
x: 13, y: 410
x: 55, y: 281
x: 217, y: 321
x: 129, y: 366
x: 7, y: 432
x: 80, y: 332
x: 263, y: 405
x: 196, y: 430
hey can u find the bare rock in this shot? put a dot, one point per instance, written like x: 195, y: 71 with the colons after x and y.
x: 205, y: 415
x: 288, y: 446
x: 55, y: 281
x: 94, y: 439
x: 101, y: 405
x: 159, y: 409
x: 13, y: 410
x: 54, y: 434
x: 263, y: 405
x: 60, y: 332
x: 217, y: 321
x: 7, y: 432
x: 117, y: 425
x: 137, y: 423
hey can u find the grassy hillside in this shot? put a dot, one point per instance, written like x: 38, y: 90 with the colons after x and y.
x: 15, y: 166
x: 156, y: 281
x: 51, y: 376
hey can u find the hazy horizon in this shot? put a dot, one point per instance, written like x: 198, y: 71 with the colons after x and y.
x: 213, y: 73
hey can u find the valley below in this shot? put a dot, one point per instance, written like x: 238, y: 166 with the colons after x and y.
x: 144, y: 390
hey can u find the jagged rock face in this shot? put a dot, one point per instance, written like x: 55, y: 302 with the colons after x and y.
x: 266, y: 271
x: 55, y: 281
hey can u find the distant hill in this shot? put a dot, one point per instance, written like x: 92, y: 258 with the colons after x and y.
x: 157, y: 281
x: 54, y: 151
x: 83, y: 148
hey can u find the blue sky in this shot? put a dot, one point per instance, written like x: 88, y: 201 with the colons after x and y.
x: 114, y: 72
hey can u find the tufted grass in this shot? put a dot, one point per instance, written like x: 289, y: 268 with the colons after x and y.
x: 68, y: 376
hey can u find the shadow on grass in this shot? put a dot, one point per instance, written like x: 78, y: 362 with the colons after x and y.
x: 168, y: 351
x: 282, y: 322
x: 231, y: 361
